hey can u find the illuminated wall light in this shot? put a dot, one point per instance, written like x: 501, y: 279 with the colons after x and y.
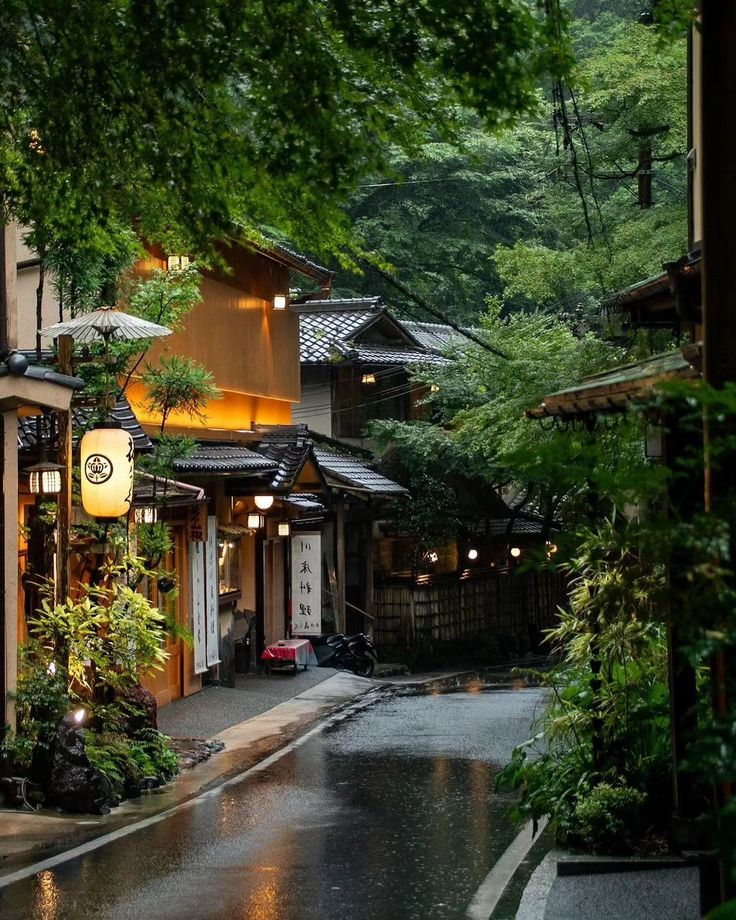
x: 263, y: 502
x: 284, y: 529
x: 279, y: 301
x: 515, y: 552
x: 368, y: 380
x: 431, y: 556
x: 44, y: 478
x: 79, y: 716
x: 255, y: 520
x: 107, y: 472
x: 472, y: 554
x: 147, y: 515
x: 177, y: 263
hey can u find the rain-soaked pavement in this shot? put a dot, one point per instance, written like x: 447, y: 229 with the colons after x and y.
x: 388, y: 815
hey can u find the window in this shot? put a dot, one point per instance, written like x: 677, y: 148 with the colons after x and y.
x: 228, y: 550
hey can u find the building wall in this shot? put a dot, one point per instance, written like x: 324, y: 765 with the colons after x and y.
x: 315, y: 408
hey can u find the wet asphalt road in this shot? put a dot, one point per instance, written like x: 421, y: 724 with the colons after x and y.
x: 388, y: 815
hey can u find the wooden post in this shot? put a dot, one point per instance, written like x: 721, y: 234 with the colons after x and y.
x: 718, y: 167
x: 368, y: 600
x: 64, y: 520
x: 340, y: 625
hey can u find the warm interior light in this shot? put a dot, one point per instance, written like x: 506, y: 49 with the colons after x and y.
x: 263, y: 502
x: 369, y: 379
x: 472, y: 554
x: 255, y: 520
x: 279, y: 301
x: 284, y: 529
x: 147, y: 515
x: 515, y: 552
x: 177, y: 263
x: 107, y: 472
x: 431, y: 556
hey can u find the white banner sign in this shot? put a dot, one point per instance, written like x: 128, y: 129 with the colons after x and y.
x: 212, y: 573
x: 199, y: 627
x: 306, y: 584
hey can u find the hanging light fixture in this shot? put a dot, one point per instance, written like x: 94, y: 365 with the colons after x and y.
x: 148, y: 514
x: 107, y: 471
x: 44, y: 477
x: 263, y: 502
x: 255, y: 520
x: 279, y: 301
x: 472, y: 554
x: 515, y: 552
x: 284, y: 529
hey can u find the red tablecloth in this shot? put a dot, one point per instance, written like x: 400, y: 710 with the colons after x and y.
x: 296, y: 651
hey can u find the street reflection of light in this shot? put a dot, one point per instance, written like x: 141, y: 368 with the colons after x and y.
x: 47, y: 897
x: 479, y: 782
x: 265, y: 900
x: 440, y: 774
x: 475, y: 685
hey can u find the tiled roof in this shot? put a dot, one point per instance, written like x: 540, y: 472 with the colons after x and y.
x: 386, y: 354
x: 353, y: 473
x: 287, y: 447
x: 522, y: 525
x: 322, y: 336
x: 336, y: 304
x: 223, y: 459
x: 82, y: 417
x: 305, y: 502
x: 435, y: 335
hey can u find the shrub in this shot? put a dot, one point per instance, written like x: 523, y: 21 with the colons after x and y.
x: 609, y: 818
x: 127, y: 761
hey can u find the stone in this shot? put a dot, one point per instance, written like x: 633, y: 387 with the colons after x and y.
x: 143, y: 709
x: 74, y: 784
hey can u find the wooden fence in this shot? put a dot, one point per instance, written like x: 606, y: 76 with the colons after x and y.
x: 508, y: 609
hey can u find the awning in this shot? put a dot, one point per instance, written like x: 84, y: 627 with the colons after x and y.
x: 615, y: 390
x: 348, y: 473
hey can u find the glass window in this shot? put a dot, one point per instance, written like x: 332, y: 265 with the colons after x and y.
x: 228, y: 549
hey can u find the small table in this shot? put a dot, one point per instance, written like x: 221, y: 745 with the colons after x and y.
x: 287, y: 653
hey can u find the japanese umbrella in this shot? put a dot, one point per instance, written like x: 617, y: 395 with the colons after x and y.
x: 105, y: 324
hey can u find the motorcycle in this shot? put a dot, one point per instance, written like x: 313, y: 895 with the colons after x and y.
x: 350, y: 653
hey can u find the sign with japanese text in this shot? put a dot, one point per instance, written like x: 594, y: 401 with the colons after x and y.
x: 199, y: 627
x: 212, y: 592
x: 306, y: 584
x: 197, y: 523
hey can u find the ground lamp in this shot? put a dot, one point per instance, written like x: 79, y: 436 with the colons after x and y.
x: 263, y: 502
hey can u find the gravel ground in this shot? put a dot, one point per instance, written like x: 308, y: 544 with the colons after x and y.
x: 214, y: 709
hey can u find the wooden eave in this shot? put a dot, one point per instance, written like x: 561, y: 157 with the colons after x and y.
x: 616, y: 390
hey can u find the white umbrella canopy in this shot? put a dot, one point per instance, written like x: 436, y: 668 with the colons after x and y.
x: 105, y: 324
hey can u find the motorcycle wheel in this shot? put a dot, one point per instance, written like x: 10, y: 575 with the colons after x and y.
x: 364, y: 667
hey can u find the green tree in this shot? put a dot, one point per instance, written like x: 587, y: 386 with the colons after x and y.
x: 181, y: 385
x: 193, y: 120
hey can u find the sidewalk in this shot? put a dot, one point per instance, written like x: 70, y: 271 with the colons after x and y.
x: 564, y: 888
x: 253, y: 724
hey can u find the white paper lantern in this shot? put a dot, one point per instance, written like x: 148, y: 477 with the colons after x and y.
x: 263, y: 502
x: 107, y: 472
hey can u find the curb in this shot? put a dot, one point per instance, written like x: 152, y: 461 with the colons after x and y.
x: 598, y: 865
x: 74, y: 841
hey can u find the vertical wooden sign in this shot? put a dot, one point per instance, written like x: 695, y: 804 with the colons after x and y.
x: 212, y: 592
x: 199, y: 627
x: 306, y: 584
